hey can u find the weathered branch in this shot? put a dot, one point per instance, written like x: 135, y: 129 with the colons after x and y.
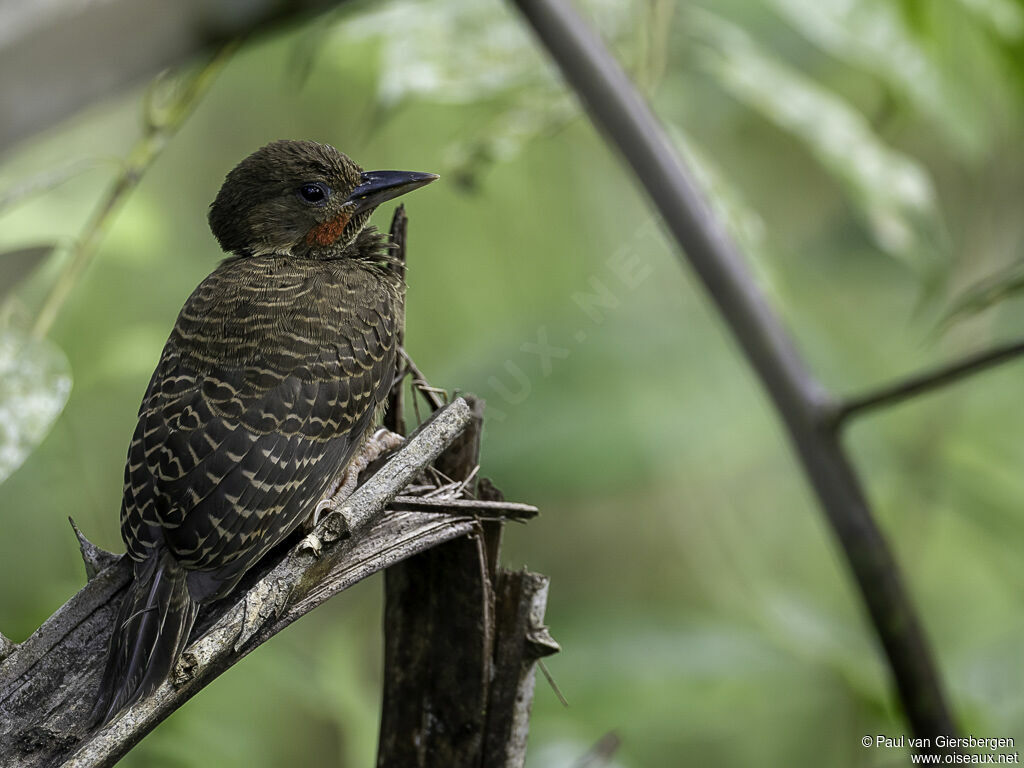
x: 621, y: 113
x: 918, y: 384
x: 419, y: 382
x: 48, y: 683
x: 521, y: 639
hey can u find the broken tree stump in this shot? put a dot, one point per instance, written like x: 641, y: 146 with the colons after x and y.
x: 461, y: 640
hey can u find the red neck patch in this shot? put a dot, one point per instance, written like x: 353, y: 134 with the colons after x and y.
x: 328, y: 232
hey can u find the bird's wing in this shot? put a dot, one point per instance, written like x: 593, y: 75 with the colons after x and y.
x: 230, y: 454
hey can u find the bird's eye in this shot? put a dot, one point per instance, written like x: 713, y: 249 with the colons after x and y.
x: 314, y: 193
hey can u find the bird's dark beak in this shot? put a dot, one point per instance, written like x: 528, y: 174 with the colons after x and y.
x: 376, y: 187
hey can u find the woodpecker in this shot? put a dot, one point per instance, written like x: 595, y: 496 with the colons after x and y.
x: 273, y: 376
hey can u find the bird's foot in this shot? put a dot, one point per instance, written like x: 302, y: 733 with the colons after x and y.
x: 312, y: 544
x: 380, y: 442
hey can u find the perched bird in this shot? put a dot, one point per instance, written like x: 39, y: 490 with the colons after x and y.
x: 269, y: 384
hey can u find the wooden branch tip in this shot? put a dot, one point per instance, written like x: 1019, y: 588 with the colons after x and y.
x: 95, y: 558
x: 421, y: 385
x: 7, y: 646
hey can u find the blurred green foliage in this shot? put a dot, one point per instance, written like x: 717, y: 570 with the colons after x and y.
x: 867, y: 155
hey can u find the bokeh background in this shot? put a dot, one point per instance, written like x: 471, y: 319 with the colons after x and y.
x: 867, y: 155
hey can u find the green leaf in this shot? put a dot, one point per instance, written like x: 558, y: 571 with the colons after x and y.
x: 35, y: 381
x: 1005, y: 284
x: 16, y: 265
x: 874, y: 36
x: 892, y: 192
x: 464, y: 51
x: 1003, y: 17
x: 468, y: 52
x: 452, y: 52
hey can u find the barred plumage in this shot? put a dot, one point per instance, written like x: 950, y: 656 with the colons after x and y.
x: 269, y: 383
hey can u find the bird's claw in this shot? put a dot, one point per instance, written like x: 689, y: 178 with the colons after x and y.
x: 379, y: 443
x: 326, y: 504
x: 312, y: 544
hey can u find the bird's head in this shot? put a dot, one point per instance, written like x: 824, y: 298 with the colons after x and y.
x: 301, y: 198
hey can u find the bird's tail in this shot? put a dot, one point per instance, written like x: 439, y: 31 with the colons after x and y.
x: 152, y: 629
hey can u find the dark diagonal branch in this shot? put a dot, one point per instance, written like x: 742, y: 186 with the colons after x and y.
x: 918, y: 384
x: 620, y: 112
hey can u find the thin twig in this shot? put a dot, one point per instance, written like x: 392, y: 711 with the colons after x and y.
x: 429, y: 393
x: 418, y: 489
x: 443, y: 479
x: 447, y: 488
x: 50, y: 179
x: 425, y: 387
x: 898, y: 391
x: 416, y: 409
x: 161, y: 124
x: 620, y: 112
x: 482, y: 509
x: 465, y: 483
x: 551, y: 681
